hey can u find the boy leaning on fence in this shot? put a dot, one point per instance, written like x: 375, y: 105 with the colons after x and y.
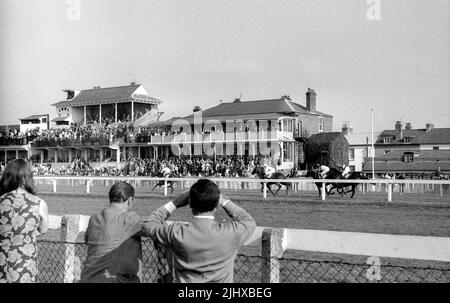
x: 204, y: 250
x: 114, y: 241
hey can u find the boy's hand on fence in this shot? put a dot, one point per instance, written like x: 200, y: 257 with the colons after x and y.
x: 181, y: 200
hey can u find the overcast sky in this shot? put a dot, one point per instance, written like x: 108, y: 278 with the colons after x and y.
x: 189, y: 53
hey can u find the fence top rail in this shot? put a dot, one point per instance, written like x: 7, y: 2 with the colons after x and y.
x: 338, y: 242
x: 251, y: 180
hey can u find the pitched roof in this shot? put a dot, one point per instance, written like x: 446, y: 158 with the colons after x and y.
x: 418, y: 136
x: 107, y: 94
x: 437, y: 136
x: 421, y: 155
x: 34, y: 117
x: 406, y: 167
x: 242, y: 108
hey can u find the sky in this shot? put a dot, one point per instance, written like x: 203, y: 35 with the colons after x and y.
x: 199, y: 52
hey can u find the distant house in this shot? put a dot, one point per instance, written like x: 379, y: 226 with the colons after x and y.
x: 411, y: 151
x: 35, y: 121
x: 330, y: 149
x: 359, y: 149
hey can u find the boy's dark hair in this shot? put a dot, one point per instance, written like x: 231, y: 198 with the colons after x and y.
x: 17, y: 174
x: 121, y: 192
x: 204, y: 196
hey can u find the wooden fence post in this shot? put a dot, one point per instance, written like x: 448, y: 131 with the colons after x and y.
x: 323, y: 190
x: 54, y: 185
x: 389, y: 192
x: 272, y: 250
x: 70, y: 226
x: 265, y: 190
x: 88, y: 186
x: 165, y: 187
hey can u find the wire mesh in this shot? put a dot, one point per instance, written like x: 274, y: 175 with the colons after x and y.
x: 52, y: 267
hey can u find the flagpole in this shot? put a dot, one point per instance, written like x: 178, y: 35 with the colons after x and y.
x: 373, y: 149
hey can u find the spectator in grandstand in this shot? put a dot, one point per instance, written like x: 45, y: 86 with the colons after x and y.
x: 204, y: 249
x: 22, y: 217
x: 114, y: 241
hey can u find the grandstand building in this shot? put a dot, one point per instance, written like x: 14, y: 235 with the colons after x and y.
x: 133, y: 107
x: 292, y: 122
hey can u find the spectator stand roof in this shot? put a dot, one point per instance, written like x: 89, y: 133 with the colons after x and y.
x: 119, y: 94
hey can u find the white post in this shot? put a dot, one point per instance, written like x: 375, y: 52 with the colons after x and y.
x: 323, y: 191
x: 389, y: 192
x: 54, y: 185
x: 441, y: 190
x: 132, y: 111
x: 373, y: 148
x: 165, y: 187
x: 265, y: 190
x: 88, y: 186
x: 115, y: 111
x: 17, y: 154
x: 85, y: 115
x: 100, y: 113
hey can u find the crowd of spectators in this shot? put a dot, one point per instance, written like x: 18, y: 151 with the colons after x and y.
x: 14, y: 137
x: 235, y: 166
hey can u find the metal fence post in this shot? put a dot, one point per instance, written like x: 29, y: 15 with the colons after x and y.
x: 69, y: 231
x: 272, y: 250
x: 54, y: 185
x: 323, y: 190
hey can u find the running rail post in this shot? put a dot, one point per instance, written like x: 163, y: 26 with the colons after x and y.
x: 165, y: 187
x: 265, y: 190
x: 54, y: 185
x: 441, y: 190
x: 323, y: 190
x: 88, y: 186
x: 389, y: 185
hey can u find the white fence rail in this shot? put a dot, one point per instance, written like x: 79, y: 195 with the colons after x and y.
x: 300, y: 183
x: 274, y: 242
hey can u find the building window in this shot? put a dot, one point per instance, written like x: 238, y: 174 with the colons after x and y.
x: 352, y: 168
x: 351, y: 154
x: 387, y: 151
x: 287, y: 152
x: 321, y: 124
x: 408, y: 157
x: 387, y: 140
x: 435, y: 147
x: 407, y: 139
x: 44, y: 120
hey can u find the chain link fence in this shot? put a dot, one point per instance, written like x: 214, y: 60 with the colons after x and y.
x: 53, y: 267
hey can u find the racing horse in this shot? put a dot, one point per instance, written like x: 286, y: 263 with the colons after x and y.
x: 336, y: 174
x: 259, y: 171
x: 340, y: 187
x: 161, y: 182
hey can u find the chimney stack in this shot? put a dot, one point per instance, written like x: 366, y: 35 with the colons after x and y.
x: 346, y: 129
x: 408, y: 126
x: 237, y: 100
x: 429, y: 127
x: 197, y: 109
x: 311, y: 100
x: 96, y: 87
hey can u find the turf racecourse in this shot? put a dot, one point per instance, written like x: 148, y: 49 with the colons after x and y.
x: 424, y: 214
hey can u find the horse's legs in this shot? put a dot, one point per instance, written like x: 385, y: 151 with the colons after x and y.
x: 171, y: 187
x: 353, y: 190
x: 279, y: 186
x: 269, y: 186
x: 157, y: 184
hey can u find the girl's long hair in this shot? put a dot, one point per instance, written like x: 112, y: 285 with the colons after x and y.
x: 17, y: 174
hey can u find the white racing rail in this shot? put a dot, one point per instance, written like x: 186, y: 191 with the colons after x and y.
x: 388, y: 183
